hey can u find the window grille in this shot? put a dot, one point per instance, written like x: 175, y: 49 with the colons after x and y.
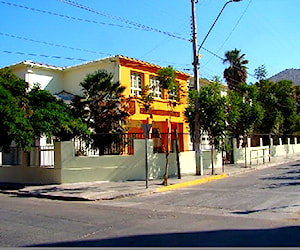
x: 154, y: 87
x: 136, y: 83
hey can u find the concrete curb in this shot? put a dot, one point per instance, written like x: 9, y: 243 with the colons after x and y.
x: 191, y: 183
x: 131, y: 189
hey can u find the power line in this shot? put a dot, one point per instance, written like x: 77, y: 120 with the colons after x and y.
x: 214, y: 54
x: 145, y: 27
x: 66, y: 58
x: 69, y: 17
x: 237, y: 23
x: 42, y: 55
x: 53, y: 44
x: 136, y: 26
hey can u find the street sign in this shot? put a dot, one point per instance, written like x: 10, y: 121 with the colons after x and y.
x: 146, y: 128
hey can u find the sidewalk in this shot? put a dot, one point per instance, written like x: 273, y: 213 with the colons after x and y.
x: 91, y: 191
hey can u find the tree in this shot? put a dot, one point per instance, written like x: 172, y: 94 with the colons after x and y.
x: 212, y: 115
x: 244, y: 111
x: 280, y: 106
x: 146, y: 100
x: 166, y: 77
x: 167, y: 81
x: 27, y: 115
x: 296, y: 124
x: 14, y: 122
x: 52, y: 117
x: 260, y: 73
x: 102, y: 107
x: 236, y: 73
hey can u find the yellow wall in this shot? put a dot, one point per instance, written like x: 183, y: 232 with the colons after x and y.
x: 158, y: 104
x: 56, y: 79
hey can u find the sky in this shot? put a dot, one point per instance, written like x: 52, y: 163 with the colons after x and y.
x: 58, y: 33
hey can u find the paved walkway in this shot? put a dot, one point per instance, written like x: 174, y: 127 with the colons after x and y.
x: 91, y: 191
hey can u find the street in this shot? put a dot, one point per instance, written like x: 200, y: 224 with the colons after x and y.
x: 258, y: 208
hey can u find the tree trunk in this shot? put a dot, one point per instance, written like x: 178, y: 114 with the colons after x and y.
x: 165, y: 182
x: 212, y: 159
x: 245, y: 150
x: 177, y: 155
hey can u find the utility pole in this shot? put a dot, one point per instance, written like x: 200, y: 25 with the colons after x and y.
x: 198, y: 152
x: 197, y: 144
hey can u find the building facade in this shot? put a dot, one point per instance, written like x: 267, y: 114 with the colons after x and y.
x: 64, y: 82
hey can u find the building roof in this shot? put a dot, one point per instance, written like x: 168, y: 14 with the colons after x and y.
x: 36, y: 64
x: 129, y: 62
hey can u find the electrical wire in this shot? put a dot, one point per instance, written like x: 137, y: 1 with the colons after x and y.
x: 70, y: 17
x: 214, y: 54
x: 53, y: 44
x: 136, y: 26
x: 42, y: 55
x: 145, y: 27
x: 235, y: 26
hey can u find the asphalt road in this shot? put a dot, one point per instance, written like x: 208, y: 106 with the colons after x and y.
x: 258, y: 208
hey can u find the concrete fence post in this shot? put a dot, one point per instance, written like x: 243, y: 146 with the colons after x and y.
x: 249, y: 142
x: 63, y: 151
x: 234, y: 150
x: 272, y: 153
x: 288, y: 151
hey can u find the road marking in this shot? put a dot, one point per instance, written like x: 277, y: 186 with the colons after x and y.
x: 190, y: 183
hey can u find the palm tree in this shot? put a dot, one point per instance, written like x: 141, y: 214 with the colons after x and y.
x: 236, y: 73
x: 102, y: 107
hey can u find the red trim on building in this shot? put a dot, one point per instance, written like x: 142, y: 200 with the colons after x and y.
x: 141, y: 65
x: 161, y: 112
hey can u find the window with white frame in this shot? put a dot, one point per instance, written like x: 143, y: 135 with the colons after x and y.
x: 136, y: 83
x: 154, y: 87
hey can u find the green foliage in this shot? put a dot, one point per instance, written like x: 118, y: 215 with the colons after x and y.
x: 212, y: 115
x: 14, y: 123
x: 53, y: 115
x: 146, y: 100
x: 280, y: 106
x: 167, y: 81
x: 166, y: 77
x: 260, y: 73
x: 102, y: 105
x: 27, y: 115
x: 296, y: 124
x: 189, y: 112
x: 243, y: 110
x: 297, y: 96
x: 236, y: 73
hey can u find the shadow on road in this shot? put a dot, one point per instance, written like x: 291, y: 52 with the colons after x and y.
x: 264, y: 209
x: 288, y: 178
x: 282, y: 237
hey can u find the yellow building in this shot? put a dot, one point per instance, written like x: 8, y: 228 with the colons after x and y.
x: 133, y: 75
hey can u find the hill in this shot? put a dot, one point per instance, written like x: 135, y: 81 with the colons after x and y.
x: 288, y: 74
